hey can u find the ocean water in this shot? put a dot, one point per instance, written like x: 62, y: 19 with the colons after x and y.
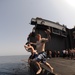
x: 14, y: 65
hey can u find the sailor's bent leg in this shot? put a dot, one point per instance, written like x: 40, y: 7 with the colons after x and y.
x: 51, y: 68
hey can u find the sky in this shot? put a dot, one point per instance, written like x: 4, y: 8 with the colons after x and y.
x: 15, y: 17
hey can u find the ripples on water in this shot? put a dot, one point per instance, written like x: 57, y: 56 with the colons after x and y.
x: 14, y: 65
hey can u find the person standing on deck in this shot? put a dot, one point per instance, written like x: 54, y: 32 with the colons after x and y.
x: 40, y: 47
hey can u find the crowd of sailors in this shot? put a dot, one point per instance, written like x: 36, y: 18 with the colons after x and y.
x: 68, y: 53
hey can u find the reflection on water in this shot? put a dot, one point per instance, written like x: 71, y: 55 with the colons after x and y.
x: 14, y: 65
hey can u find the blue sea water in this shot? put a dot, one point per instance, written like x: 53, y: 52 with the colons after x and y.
x: 14, y: 65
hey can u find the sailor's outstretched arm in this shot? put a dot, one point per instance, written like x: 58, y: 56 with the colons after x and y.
x: 32, y: 43
x: 48, y: 34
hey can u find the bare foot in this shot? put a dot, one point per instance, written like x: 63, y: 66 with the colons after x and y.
x: 39, y: 71
x: 52, y: 70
